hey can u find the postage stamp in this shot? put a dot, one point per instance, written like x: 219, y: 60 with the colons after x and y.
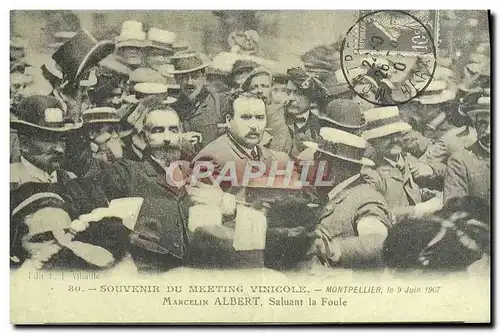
x: 389, y: 57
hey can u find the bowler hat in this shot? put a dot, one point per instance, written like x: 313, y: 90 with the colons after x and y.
x: 188, y: 61
x: 80, y: 53
x: 42, y: 113
x: 242, y: 65
x: 343, y: 114
x: 342, y: 145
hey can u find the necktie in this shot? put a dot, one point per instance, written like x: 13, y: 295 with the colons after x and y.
x: 255, y: 154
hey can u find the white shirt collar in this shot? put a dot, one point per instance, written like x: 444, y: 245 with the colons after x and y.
x: 342, y: 185
x: 39, y: 174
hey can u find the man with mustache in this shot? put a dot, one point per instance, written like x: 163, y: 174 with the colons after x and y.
x: 392, y: 175
x: 300, y: 121
x: 42, y: 131
x: 468, y: 170
x: 159, y: 240
x: 200, y: 108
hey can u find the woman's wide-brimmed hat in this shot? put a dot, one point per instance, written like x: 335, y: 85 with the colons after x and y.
x: 342, y: 145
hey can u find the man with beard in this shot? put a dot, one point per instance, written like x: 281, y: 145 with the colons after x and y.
x: 392, y: 175
x: 159, y: 240
x: 42, y: 133
x: 200, y: 109
x: 468, y: 171
x: 300, y: 121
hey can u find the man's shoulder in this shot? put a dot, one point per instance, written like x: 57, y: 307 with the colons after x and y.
x: 275, y: 155
x: 216, y: 149
x: 362, y: 193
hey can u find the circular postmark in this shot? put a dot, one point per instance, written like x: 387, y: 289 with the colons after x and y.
x: 388, y: 57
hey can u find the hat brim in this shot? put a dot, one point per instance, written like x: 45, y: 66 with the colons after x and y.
x: 364, y: 161
x: 102, y: 121
x: 351, y: 127
x: 20, y: 125
x: 444, y: 96
x: 386, y: 130
x: 100, y: 51
x: 204, y: 65
x: 160, y: 47
x: 132, y: 43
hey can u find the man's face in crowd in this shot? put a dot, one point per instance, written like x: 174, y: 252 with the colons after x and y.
x: 162, y: 132
x: 483, y: 129
x: 297, y: 102
x: 133, y: 56
x: 387, y: 146
x: 240, y: 76
x: 249, y: 121
x: 279, y: 93
x: 191, y: 83
x: 44, y: 149
x: 157, y: 57
x: 261, y: 85
x: 107, y: 141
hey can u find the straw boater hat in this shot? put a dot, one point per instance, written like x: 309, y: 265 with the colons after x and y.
x: 188, y: 61
x: 342, y: 145
x: 474, y: 104
x: 382, y: 122
x: 132, y: 35
x: 344, y: 115
x: 80, y: 53
x: 41, y: 113
x: 438, y: 91
x: 161, y: 39
x: 101, y: 115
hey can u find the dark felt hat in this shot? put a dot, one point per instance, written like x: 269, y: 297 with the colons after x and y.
x: 343, y: 114
x: 188, y: 61
x: 42, y: 113
x: 80, y: 53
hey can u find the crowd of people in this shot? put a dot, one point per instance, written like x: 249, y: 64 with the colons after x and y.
x: 142, y: 148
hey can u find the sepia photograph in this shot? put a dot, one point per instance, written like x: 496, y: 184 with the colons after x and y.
x: 250, y: 166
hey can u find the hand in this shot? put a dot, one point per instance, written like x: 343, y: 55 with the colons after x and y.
x: 193, y: 137
x: 327, y: 250
x: 419, y: 169
x: 430, y: 206
x: 205, y: 194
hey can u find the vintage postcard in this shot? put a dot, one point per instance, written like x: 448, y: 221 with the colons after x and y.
x: 250, y: 166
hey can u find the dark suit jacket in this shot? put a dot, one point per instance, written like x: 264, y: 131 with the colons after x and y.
x: 468, y: 174
x: 285, y: 137
x: 224, y: 149
x: 289, y: 217
x: 204, y: 115
x: 160, y: 233
x: 399, y: 190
